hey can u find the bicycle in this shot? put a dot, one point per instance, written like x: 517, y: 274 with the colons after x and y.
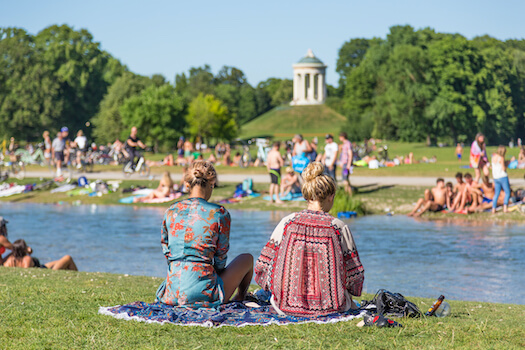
x: 141, y: 168
x: 15, y: 166
x: 84, y: 164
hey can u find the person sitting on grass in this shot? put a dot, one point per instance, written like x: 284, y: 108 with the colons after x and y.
x: 290, y: 182
x: 458, y: 190
x: 311, y: 264
x: 195, y: 240
x: 164, y: 189
x: 433, y: 200
x: 21, y: 257
x: 450, y: 194
x: 470, y: 197
x: 486, y: 199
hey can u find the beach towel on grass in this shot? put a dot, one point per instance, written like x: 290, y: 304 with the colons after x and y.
x: 233, y: 314
x: 289, y: 197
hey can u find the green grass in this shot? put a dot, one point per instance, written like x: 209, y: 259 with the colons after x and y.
x: 44, y: 309
x: 285, y: 121
x: 447, y: 164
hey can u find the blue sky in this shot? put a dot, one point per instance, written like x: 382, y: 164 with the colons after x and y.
x: 262, y: 38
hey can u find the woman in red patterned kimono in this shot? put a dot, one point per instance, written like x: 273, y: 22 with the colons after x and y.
x: 311, y: 265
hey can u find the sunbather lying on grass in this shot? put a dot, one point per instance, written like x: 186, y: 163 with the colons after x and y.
x: 21, y: 257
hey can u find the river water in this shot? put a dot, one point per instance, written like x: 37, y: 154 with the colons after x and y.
x: 463, y: 260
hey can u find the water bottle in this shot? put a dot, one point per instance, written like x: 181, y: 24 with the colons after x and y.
x: 443, y: 310
x: 435, y: 306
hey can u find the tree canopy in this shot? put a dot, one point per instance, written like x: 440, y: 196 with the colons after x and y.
x: 421, y: 85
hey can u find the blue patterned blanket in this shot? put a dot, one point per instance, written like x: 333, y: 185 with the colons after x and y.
x: 233, y: 314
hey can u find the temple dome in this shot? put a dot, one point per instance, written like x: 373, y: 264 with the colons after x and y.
x: 310, y: 60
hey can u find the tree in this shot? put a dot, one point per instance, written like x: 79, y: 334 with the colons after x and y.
x: 231, y: 76
x: 350, y: 56
x: 157, y: 112
x: 208, y: 118
x: 78, y: 65
x: 108, y: 124
x: 284, y: 93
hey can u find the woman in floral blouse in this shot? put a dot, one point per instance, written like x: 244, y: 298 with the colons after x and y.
x: 195, y: 240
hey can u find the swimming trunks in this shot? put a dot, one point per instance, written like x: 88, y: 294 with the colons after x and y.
x: 275, y: 176
x: 438, y: 208
x: 459, y: 155
x: 486, y: 200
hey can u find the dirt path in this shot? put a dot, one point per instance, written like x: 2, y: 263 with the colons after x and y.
x: 263, y: 178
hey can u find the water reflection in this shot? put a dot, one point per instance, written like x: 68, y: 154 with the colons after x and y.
x: 462, y: 259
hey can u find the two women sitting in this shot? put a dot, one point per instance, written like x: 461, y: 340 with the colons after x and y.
x: 310, y: 264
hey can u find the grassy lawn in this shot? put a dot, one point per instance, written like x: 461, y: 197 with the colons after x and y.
x: 447, y: 164
x: 59, y: 310
x: 285, y: 121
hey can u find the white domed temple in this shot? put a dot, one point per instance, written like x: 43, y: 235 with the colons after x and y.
x: 309, y: 86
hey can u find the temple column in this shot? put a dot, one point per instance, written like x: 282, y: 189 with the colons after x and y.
x: 311, y: 87
x: 320, y: 87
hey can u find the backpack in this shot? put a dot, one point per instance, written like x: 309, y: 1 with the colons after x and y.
x: 392, y: 304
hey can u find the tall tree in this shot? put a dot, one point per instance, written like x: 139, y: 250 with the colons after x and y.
x: 209, y: 118
x: 158, y: 114
x: 108, y: 124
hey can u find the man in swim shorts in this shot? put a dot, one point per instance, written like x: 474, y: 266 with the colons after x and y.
x: 274, y: 162
x: 459, y: 151
x: 433, y: 200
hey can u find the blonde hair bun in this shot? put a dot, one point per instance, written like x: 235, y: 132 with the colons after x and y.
x: 312, y: 171
x: 200, y: 173
x: 317, y: 186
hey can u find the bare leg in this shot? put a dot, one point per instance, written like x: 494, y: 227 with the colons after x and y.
x: 477, y: 175
x: 64, y: 263
x: 424, y: 209
x: 274, y: 189
x: 419, y: 203
x: 237, y: 275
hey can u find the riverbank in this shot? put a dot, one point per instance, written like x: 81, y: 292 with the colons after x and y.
x: 378, y: 199
x: 58, y: 309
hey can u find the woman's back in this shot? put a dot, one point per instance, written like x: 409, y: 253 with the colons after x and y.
x: 194, y: 228
x: 195, y: 240
x: 313, y: 266
x: 498, y: 168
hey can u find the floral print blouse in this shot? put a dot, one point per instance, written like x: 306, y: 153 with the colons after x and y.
x: 195, y: 240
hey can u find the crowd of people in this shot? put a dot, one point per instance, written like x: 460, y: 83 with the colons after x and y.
x: 469, y: 195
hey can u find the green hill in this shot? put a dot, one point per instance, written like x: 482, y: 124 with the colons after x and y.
x: 286, y: 121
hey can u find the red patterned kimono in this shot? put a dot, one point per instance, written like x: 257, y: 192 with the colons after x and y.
x: 310, y: 265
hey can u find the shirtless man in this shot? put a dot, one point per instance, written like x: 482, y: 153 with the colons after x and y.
x: 458, y: 190
x: 486, y: 200
x: 434, y: 199
x: 459, y: 151
x: 471, y: 195
x: 274, y: 162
